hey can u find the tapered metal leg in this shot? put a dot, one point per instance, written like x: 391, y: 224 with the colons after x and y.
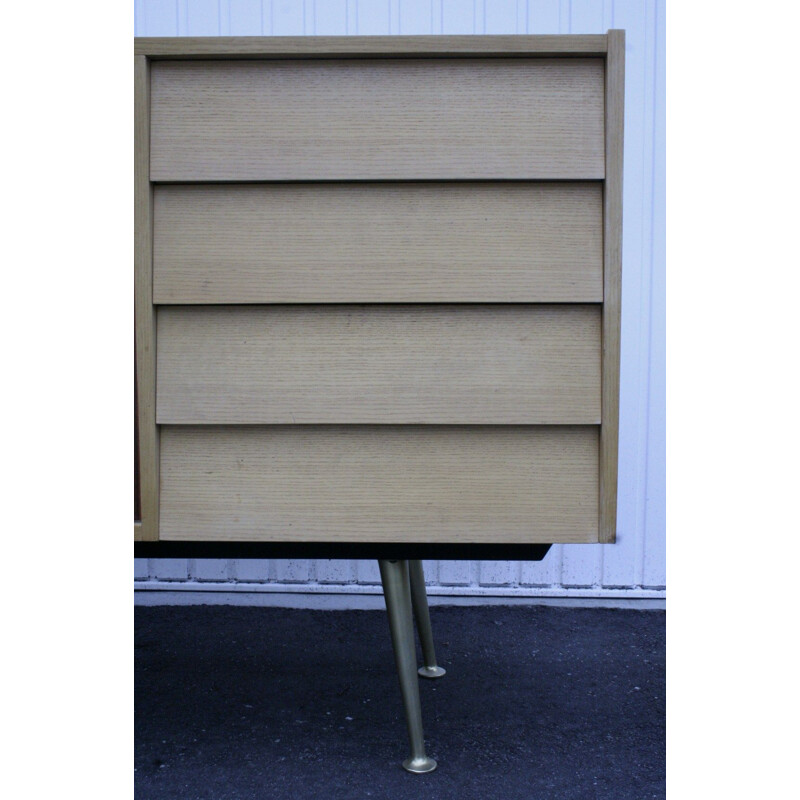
x: 419, y: 601
x: 397, y: 591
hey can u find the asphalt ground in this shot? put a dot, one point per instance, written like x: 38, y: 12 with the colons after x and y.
x: 538, y: 702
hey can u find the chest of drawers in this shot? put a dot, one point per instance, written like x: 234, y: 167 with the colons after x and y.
x: 378, y: 290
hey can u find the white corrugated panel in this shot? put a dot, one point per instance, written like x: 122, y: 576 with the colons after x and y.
x: 637, y: 561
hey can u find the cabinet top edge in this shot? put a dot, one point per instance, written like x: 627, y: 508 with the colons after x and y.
x: 361, y: 46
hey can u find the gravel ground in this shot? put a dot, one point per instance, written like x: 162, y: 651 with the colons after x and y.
x: 538, y: 702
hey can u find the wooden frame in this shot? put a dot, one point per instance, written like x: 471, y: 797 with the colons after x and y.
x: 612, y: 284
x: 356, y: 46
x: 144, y: 311
x: 610, y: 47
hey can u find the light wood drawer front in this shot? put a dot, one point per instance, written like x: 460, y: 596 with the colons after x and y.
x: 356, y: 119
x: 379, y: 364
x: 362, y: 243
x: 380, y: 483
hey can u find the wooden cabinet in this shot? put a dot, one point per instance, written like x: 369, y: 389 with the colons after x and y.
x: 378, y: 288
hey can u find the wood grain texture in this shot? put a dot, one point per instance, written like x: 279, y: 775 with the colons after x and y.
x: 612, y: 283
x: 378, y: 242
x: 355, y: 46
x: 510, y: 364
x: 362, y: 119
x: 379, y: 484
x: 144, y: 312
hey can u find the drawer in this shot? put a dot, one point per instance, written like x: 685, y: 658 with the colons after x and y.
x: 378, y: 242
x: 362, y: 119
x: 510, y: 364
x: 380, y: 483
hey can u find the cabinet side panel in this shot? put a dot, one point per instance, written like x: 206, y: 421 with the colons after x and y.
x: 612, y: 284
x: 145, y: 319
x: 137, y: 494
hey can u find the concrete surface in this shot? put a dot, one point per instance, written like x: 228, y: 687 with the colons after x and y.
x: 538, y: 702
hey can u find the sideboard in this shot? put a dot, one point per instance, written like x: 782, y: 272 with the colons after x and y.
x: 377, y: 295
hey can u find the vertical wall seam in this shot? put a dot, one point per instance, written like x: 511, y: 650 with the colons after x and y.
x: 645, y: 310
x: 651, y: 268
x: 654, y: 187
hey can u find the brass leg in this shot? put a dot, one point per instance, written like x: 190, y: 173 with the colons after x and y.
x: 419, y: 601
x: 397, y: 591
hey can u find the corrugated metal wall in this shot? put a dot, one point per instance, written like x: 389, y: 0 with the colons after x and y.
x: 635, y: 565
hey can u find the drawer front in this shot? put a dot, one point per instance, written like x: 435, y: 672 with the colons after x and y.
x: 379, y: 484
x: 378, y: 242
x: 361, y: 119
x: 379, y: 364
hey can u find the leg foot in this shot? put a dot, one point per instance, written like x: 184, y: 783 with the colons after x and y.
x: 419, y: 600
x: 431, y: 672
x: 419, y: 765
x: 397, y: 591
